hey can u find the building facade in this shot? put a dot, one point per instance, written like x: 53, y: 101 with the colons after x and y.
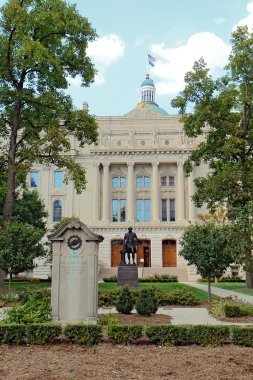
x: 135, y: 178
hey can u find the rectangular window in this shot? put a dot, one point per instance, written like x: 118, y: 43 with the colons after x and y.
x: 115, y: 182
x: 139, y: 210
x: 171, y: 181
x: 139, y: 181
x: 147, y: 181
x: 122, y: 181
x: 164, y: 210
x: 163, y: 181
x: 58, y: 179
x: 34, y: 179
x: 115, y: 210
x: 147, y: 210
x: 122, y: 210
x: 172, y: 210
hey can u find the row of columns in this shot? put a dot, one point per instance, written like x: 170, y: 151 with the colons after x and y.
x: 155, y: 195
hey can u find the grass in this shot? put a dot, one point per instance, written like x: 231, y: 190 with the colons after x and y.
x: 168, y: 287
x: 239, y: 287
x: 21, y: 285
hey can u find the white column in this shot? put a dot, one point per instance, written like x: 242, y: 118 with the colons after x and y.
x: 130, y: 192
x: 106, y: 200
x: 180, y: 192
x: 190, y: 194
x: 155, y: 192
x: 96, y: 195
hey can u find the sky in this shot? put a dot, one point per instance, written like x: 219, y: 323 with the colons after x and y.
x: 176, y: 33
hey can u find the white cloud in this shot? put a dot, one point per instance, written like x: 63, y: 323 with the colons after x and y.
x: 247, y: 20
x: 219, y: 20
x: 173, y: 63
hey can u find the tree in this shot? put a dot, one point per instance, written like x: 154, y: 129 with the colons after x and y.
x: 41, y: 44
x: 220, y: 110
x: 204, y: 245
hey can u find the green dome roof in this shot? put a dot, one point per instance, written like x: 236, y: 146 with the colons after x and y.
x: 152, y: 106
x: 148, y: 82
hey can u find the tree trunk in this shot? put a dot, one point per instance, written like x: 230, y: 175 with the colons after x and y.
x: 249, y: 280
x: 9, y: 200
x: 2, y: 275
x: 209, y: 288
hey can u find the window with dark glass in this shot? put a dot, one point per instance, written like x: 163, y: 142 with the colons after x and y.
x: 172, y: 210
x: 163, y: 181
x: 34, y: 179
x: 164, y: 210
x: 171, y: 181
x: 58, y: 180
x: 57, y: 211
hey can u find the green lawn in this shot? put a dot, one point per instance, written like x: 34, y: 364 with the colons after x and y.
x: 168, y: 286
x: 21, y: 285
x: 239, y: 287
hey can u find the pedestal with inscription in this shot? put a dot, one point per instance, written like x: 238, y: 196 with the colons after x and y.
x: 128, y: 275
x: 75, y: 273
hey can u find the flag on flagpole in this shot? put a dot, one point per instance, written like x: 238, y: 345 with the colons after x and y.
x: 151, y: 60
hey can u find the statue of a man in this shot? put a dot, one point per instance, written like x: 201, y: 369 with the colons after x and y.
x: 130, y: 242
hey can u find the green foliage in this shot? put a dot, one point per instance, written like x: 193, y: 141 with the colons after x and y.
x: 107, y: 319
x: 9, y: 296
x: 63, y: 221
x: 146, y: 303
x: 155, y: 278
x: 125, y: 302
x: 167, y: 335
x: 208, y: 335
x: 226, y: 307
x: 82, y: 333
x: 12, y: 334
x: 181, y: 297
x: 231, y: 311
x: 124, y: 334
x: 242, y: 336
x: 36, y: 308
x: 42, y: 333
x: 108, y: 297
x: 110, y: 279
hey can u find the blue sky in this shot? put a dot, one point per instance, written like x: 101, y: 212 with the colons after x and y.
x: 175, y: 32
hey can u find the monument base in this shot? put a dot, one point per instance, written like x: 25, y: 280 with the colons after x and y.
x: 128, y: 275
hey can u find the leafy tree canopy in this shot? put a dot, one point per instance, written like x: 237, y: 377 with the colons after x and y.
x: 41, y: 44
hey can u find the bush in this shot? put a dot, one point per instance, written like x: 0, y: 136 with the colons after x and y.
x: 181, y: 297
x: 208, y: 335
x: 167, y: 335
x: 125, y: 303
x: 155, y: 278
x: 107, y: 319
x: 9, y: 296
x: 146, y: 303
x: 30, y: 292
x: 110, y: 279
x: 42, y: 333
x: 83, y: 333
x: 232, y: 311
x: 12, y: 334
x: 107, y: 297
x: 124, y: 334
x: 242, y: 336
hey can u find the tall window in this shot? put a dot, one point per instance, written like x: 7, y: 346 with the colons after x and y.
x: 168, y: 210
x: 34, y: 182
x: 119, y: 182
x: 58, y: 179
x: 143, y: 181
x: 168, y: 181
x: 57, y: 211
x: 143, y: 210
x: 163, y: 181
x: 171, y: 181
x: 118, y: 210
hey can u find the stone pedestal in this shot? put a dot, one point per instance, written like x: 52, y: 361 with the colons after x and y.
x: 128, y: 275
x: 75, y: 273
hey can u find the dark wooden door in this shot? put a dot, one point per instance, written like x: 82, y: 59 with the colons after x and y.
x: 146, y: 254
x: 116, y: 247
x: 169, y: 253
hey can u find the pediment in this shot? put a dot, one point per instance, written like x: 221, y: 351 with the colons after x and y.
x: 74, y: 225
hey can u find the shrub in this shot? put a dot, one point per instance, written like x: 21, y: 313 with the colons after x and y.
x: 124, y: 334
x: 146, y: 303
x: 9, y: 296
x: 208, y: 335
x: 110, y: 279
x: 108, y: 297
x: 83, y: 333
x: 181, y: 297
x: 107, y: 319
x: 42, y: 333
x: 125, y: 303
x: 232, y: 311
x: 167, y: 335
x: 12, y: 334
x: 158, y: 278
x: 30, y: 292
x: 242, y: 336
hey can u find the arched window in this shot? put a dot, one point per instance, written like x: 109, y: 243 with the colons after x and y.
x: 57, y: 211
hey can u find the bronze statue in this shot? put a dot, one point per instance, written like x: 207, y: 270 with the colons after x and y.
x: 129, y: 244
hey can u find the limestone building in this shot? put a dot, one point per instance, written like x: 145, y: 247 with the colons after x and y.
x: 135, y: 178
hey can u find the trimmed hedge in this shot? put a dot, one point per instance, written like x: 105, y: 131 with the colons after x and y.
x: 208, y: 335
x: 167, y: 335
x: 242, y: 336
x: 42, y: 333
x: 124, y: 334
x: 12, y: 334
x: 155, y: 278
x: 81, y: 333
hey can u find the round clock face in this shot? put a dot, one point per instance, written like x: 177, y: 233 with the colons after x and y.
x: 74, y: 242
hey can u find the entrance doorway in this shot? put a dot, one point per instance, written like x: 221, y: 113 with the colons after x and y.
x: 143, y: 253
x: 116, y: 247
x: 169, y: 253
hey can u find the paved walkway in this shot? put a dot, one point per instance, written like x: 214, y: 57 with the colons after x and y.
x: 221, y: 292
